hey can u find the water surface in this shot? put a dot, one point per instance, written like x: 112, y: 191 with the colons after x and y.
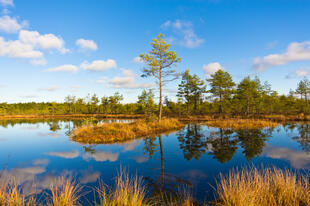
x: 40, y: 151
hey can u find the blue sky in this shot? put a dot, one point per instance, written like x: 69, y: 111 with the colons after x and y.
x: 51, y: 49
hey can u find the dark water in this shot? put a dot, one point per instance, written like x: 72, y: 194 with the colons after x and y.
x: 39, y: 152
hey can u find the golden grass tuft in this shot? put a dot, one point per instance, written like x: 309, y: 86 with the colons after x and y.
x: 127, y: 192
x: 118, y: 132
x: 64, y: 192
x: 241, y: 123
x: 263, y: 188
x: 11, y: 195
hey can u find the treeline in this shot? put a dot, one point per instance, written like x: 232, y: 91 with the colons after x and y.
x: 218, y: 94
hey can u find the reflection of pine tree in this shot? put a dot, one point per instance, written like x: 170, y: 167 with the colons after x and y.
x: 150, y: 146
x: 253, y: 141
x: 223, y: 145
x: 54, y: 126
x: 304, y: 137
x: 192, y: 142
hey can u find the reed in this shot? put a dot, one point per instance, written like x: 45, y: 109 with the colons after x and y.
x: 263, y: 188
x: 64, y: 192
x: 129, y: 191
x: 118, y: 132
x: 11, y: 195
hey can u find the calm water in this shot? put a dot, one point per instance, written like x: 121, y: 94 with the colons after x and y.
x: 39, y: 152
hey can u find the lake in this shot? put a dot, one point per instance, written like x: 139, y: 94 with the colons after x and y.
x: 37, y: 151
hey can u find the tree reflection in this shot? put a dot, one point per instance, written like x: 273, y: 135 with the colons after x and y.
x: 304, y: 137
x: 223, y: 145
x: 150, y: 146
x: 54, y: 126
x: 192, y: 142
x: 253, y: 141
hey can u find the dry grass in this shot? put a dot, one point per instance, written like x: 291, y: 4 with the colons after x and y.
x: 242, y: 123
x: 64, y: 192
x: 263, y: 188
x: 127, y: 192
x: 118, y: 132
x: 11, y: 195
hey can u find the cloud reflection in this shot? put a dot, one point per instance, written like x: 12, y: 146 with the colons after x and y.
x: 298, y: 159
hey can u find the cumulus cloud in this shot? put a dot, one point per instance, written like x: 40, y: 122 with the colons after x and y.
x: 184, y: 32
x: 85, y: 44
x: 66, y: 155
x: 295, y: 52
x: 126, y: 81
x: 49, y: 89
x: 17, y: 49
x: 45, y: 42
x: 7, y: 2
x: 298, y: 159
x: 212, y: 68
x: 31, y: 45
x: 99, y: 65
x: 11, y: 25
x: 63, y: 68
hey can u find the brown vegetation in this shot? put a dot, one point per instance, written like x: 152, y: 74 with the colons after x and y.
x: 241, y: 123
x: 118, y: 132
x: 263, y: 188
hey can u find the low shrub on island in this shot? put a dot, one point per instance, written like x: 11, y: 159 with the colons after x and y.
x: 241, y: 123
x: 118, y: 132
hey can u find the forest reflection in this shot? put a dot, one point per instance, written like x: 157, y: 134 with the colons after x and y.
x: 222, y: 143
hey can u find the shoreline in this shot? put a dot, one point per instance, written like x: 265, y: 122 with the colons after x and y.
x: 202, y: 118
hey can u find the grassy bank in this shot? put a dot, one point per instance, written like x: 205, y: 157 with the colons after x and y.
x: 240, y: 188
x: 118, y: 132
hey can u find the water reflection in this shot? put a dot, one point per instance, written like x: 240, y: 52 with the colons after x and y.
x: 192, y: 157
x: 192, y: 142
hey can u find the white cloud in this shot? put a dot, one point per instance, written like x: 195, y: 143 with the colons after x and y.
x: 17, y: 49
x: 99, y: 65
x: 299, y: 73
x: 49, y: 89
x: 126, y: 81
x: 137, y: 60
x: 185, y: 33
x: 11, y: 25
x: 212, y: 68
x: 66, y: 155
x: 40, y: 61
x: 63, y: 68
x: 85, y: 44
x: 31, y: 45
x: 45, y: 42
x: 7, y: 2
x: 302, y: 72
x: 295, y: 52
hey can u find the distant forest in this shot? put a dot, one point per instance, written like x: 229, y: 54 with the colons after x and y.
x: 218, y: 94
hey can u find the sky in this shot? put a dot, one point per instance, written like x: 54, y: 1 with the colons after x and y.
x: 53, y: 48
